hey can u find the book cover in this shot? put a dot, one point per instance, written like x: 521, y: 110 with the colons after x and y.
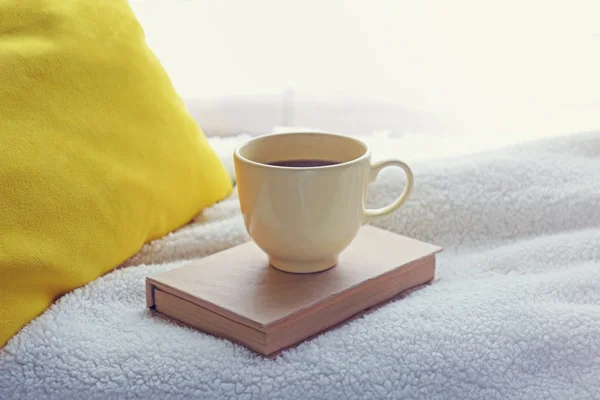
x: 235, y: 294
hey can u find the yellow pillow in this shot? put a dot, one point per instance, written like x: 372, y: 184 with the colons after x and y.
x: 97, y: 152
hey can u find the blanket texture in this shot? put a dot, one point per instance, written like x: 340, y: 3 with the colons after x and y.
x: 514, y: 312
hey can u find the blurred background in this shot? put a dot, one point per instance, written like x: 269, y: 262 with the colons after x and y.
x: 500, y: 71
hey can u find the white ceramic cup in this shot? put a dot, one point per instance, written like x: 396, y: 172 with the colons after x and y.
x: 303, y: 218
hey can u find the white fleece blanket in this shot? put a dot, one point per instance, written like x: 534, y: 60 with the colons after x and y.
x: 514, y: 312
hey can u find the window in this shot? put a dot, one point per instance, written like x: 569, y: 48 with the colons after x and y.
x: 481, y: 68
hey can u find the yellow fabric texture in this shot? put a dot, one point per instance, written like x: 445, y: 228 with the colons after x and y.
x: 98, y: 154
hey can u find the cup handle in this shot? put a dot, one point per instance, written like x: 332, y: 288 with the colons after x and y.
x: 373, y: 214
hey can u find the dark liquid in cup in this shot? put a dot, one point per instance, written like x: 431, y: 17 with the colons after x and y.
x: 303, y: 163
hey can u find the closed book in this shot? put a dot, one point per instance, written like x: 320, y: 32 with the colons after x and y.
x: 237, y: 295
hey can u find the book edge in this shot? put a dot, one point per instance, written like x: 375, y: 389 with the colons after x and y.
x: 279, y: 340
x: 212, y: 327
x: 231, y: 315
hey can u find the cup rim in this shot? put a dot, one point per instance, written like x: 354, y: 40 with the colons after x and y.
x: 357, y: 160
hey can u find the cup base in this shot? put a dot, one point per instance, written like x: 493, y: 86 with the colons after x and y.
x: 299, y: 267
